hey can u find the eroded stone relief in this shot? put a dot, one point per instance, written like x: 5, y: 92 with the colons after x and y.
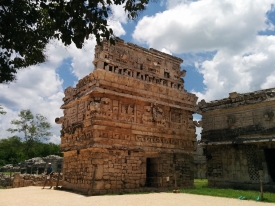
x: 239, y: 137
x: 133, y: 105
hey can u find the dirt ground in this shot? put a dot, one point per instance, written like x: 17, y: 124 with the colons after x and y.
x: 37, y: 196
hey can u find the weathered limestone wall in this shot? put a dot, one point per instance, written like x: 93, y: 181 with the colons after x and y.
x: 132, y: 105
x: 25, y: 180
x: 239, y: 137
x: 239, y: 166
x: 129, y: 123
x: 239, y: 117
x: 98, y: 171
x: 200, y: 163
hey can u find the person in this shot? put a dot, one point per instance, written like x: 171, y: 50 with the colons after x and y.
x: 49, y: 173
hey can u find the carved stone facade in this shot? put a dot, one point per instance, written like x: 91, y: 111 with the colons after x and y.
x: 128, y: 124
x: 239, y: 137
x: 200, y: 162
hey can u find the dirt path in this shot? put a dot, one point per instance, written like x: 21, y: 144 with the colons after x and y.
x: 35, y: 196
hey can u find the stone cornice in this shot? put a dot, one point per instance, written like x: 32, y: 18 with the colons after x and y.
x: 236, y: 99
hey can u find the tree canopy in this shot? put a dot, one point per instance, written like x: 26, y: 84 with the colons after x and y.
x: 34, y: 129
x: 26, y: 26
x: 13, y: 150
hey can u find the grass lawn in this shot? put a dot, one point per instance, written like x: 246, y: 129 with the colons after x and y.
x: 8, y: 173
x: 201, y: 188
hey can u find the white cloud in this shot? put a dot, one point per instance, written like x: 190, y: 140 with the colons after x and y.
x: 249, y: 70
x: 118, y: 13
x: 243, y: 61
x: 38, y: 89
x: 116, y: 19
x: 173, y: 3
x: 166, y: 51
x: 270, y: 82
x: 82, y: 59
x: 117, y: 28
x: 197, y: 117
x: 204, y: 25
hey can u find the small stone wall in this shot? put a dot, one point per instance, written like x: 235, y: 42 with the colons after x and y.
x: 25, y: 180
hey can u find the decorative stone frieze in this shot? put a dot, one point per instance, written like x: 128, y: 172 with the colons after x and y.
x: 128, y: 124
x: 239, y: 137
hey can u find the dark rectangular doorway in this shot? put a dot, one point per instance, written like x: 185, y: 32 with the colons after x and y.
x: 270, y: 160
x: 151, y: 172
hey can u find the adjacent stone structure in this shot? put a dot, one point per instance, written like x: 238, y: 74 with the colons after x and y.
x: 128, y: 124
x: 36, y: 165
x: 239, y: 137
x: 200, y: 163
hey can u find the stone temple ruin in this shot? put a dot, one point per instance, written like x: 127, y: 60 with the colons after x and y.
x: 36, y: 165
x: 128, y: 125
x: 239, y: 138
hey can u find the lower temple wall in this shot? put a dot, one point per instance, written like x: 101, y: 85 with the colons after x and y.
x: 101, y: 171
x: 239, y: 167
x: 25, y: 180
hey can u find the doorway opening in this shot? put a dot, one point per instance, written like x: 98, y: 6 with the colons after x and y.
x: 270, y: 160
x: 151, y: 172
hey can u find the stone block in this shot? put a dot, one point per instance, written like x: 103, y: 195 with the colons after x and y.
x: 107, y: 186
x: 97, y: 155
x: 99, y: 172
x: 111, y: 170
x: 99, y: 185
x: 97, y: 161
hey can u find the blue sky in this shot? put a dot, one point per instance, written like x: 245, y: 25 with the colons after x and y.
x: 226, y: 46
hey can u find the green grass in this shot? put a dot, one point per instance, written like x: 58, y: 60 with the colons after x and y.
x: 201, y: 188
x: 1, y: 187
x: 8, y: 173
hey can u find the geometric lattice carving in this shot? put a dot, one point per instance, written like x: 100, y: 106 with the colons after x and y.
x: 252, y: 163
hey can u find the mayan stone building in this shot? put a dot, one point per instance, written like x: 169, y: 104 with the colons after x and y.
x: 239, y: 138
x: 128, y: 125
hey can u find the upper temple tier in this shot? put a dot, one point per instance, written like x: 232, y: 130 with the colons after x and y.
x: 134, y: 99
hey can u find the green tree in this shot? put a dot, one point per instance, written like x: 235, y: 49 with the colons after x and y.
x: 11, y: 151
x: 1, y: 110
x: 25, y: 30
x: 44, y: 149
x: 26, y: 26
x: 34, y: 129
